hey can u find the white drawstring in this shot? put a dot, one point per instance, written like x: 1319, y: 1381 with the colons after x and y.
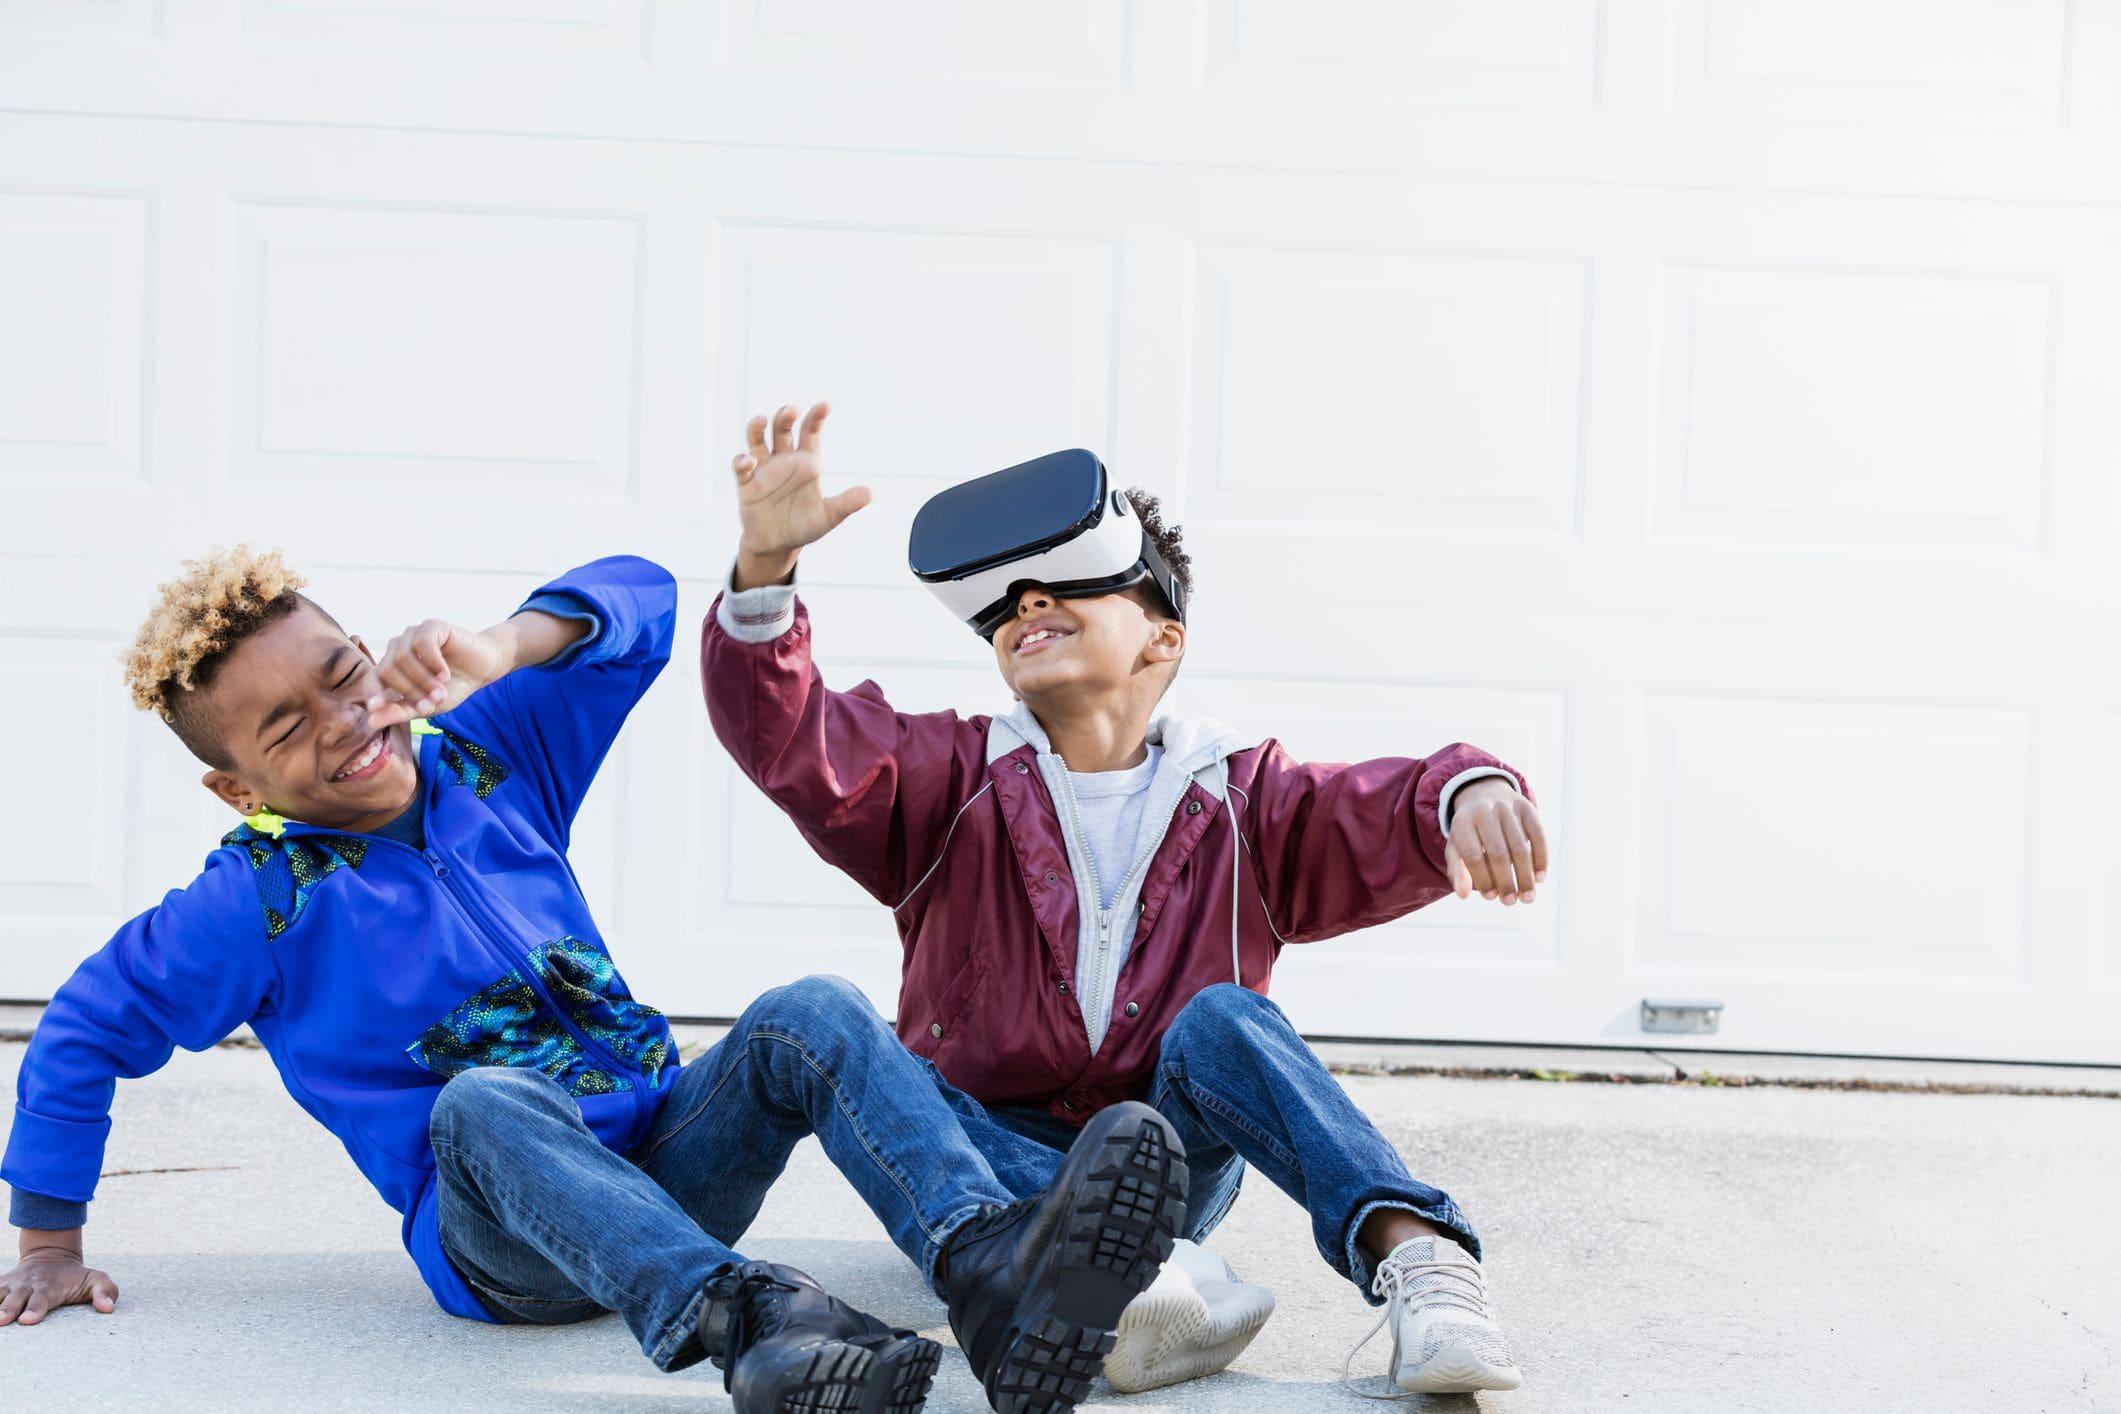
x: 946, y: 846
x: 1237, y: 970
x: 1240, y: 790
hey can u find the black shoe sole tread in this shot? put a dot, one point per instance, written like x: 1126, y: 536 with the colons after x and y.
x: 1119, y: 1236
x: 846, y: 1378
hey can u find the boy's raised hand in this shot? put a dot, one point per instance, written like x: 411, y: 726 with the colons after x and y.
x: 433, y: 666
x: 780, y: 496
x: 1496, y: 845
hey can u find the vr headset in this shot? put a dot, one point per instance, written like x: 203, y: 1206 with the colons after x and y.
x: 1054, y: 522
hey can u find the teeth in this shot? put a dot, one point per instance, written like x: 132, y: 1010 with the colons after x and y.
x: 1039, y: 636
x: 363, y: 761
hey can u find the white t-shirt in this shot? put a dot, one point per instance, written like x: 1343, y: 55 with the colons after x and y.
x: 1109, y: 804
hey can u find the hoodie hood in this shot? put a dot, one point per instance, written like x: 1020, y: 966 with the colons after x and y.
x: 1190, y: 744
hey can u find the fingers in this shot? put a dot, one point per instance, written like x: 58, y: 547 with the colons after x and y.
x: 413, y: 674
x: 390, y: 713
x: 36, y: 1308
x: 813, y: 434
x: 784, y: 430
x: 1454, y: 869
x: 1520, y: 847
x: 838, y: 508
x: 755, y: 439
x: 1529, y: 814
x: 1500, y: 883
x: 743, y: 466
x: 428, y: 649
x: 12, y: 1301
x: 102, y: 1292
x: 1472, y: 858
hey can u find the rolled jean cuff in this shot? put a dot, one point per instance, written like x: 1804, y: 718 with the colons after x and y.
x: 1445, y: 1215
x: 932, y: 1249
x: 680, y: 1347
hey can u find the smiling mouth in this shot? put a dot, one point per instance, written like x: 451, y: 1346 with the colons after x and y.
x: 369, y: 760
x: 1038, y: 637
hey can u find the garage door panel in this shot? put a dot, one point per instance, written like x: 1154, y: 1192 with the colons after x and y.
x: 464, y: 353
x: 1843, y: 837
x: 573, y: 29
x: 74, y: 338
x: 83, y: 756
x: 1804, y: 407
x: 956, y: 352
x: 1475, y: 363
x: 1874, y: 61
x: 107, y: 20
x: 961, y: 40
x: 1542, y: 52
x: 2106, y: 964
x: 65, y: 851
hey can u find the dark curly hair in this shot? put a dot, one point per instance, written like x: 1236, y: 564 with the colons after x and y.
x: 1169, y: 543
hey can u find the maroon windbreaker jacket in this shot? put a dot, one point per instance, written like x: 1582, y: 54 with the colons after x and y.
x: 970, y: 854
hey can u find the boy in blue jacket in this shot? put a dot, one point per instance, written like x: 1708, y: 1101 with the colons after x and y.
x: 397, y: 921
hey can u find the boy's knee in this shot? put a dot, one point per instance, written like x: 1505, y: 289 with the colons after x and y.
x: 490, y: 1094
x: 809, y: 1004
x: 1218, y: 1012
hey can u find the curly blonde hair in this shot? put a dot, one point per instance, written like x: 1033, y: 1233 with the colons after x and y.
x: 219, y: 600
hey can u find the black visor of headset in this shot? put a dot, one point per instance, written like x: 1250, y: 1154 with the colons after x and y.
x: 1053, y: 522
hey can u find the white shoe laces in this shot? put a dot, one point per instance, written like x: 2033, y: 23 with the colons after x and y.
x: 1459, y: 1285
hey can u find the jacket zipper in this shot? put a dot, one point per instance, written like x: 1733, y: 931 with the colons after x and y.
x: 1101, y: 985
x: 592, y: 1047
x: 495, y: 940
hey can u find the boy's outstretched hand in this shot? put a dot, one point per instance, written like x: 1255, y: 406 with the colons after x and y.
x: 1496, y: 845
x: 51, y: 1274
x: 779, y: 497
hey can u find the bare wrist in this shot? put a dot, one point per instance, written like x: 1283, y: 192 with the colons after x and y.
x: 755, y: 570
x: 506, y: 639
x: 46, y: 1242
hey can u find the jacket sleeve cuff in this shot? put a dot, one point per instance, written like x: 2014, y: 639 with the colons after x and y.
x: 573, y: 608
x: 60, y: 1158
x: 45, y: 1213
x: 755, y: 615
x: 1466, y: 778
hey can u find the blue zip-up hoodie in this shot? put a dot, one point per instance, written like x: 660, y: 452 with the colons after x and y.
x: 372, y: 971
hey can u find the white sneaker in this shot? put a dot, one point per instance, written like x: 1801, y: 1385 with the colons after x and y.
x: 1193, y: 1320
x: 1444, y: 1337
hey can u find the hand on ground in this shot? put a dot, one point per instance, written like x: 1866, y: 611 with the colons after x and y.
x: 43, y: 1282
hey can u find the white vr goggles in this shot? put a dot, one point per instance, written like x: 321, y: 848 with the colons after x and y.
x: 1054, y: 522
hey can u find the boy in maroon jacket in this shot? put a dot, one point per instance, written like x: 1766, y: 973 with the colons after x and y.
x: 1091, y: 898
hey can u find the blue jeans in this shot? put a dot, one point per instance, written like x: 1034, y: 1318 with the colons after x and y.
x: 549, y: 1226
x: 1240, y: 1086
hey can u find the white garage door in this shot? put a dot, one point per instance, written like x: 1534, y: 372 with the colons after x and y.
x: 1707, y: 404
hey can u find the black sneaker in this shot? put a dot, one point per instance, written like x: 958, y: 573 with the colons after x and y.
x: 1036, y: 1288
x: 785, y: 1347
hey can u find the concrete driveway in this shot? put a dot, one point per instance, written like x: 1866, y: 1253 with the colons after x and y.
x: 1653, y: 1247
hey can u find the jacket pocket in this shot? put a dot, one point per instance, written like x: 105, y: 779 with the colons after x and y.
x: 942, y: 1023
